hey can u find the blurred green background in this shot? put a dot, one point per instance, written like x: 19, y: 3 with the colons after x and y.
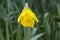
x: 47, y: 11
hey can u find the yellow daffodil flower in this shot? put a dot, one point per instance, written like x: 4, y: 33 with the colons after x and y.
x: 27, y: 18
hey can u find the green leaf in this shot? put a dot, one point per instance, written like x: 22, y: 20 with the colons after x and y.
x: 37, y: 36
x: 19, y: 33
x: 1, y: 34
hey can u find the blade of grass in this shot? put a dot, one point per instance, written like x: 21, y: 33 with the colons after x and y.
x: 43, y: 5
x: 37, y: 36
x: 58, y: 9
x: 1, y: 34
x: 19, y: 33
x: 7, y: 31
x: 11, y: 33
x: 6, y: 22
x: 56, y: 35
x: 47, y: 26
x: 59, y: 30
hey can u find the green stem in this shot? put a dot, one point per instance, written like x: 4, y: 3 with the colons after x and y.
x: 27, y: 33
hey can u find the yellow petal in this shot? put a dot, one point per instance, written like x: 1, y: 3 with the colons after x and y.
x: 21, y: 16
x: 31, y: 14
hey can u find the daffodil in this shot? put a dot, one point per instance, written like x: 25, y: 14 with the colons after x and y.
x: 27, y: 17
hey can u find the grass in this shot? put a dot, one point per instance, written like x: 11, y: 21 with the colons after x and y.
x: 47, y: 11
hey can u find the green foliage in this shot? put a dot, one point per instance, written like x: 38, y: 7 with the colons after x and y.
x: 47, y: 11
